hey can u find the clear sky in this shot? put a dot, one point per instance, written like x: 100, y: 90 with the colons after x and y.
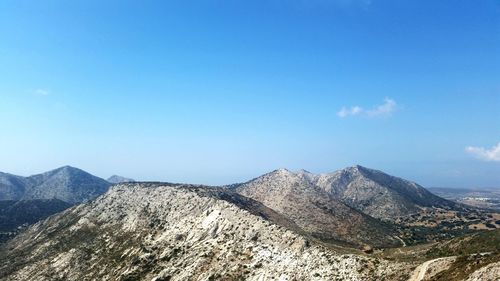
x: 220, y: 91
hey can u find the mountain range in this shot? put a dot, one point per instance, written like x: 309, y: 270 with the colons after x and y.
x: 282, y: 225
x: 25, y: 200
x: 376, y: 193
x: 139, y: 231
x: 68, y: 184
x: 351, y: 206
x: 316, y: 211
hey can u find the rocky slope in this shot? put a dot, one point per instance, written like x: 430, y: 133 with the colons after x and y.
x: 171, y: 232
x: 68, y: 184
x: 15, y: 215
x: 376, y: 193
x: 491, y: 272
x: 317, y: 211
x: 12, y: 187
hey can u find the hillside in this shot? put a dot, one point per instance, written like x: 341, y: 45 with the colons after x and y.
x: 376, y: 193
x: 12, y: 187
x: 67, y: 183
x: 317, y: 212
x: 178, y: 232
x: 474, y: 256
x: 15, y: 215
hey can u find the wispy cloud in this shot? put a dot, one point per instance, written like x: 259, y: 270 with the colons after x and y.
x: 385, y: 109
x: 42, y: 92
x: 492, y: 154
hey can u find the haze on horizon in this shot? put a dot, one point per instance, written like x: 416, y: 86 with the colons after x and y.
x: 220, y: 92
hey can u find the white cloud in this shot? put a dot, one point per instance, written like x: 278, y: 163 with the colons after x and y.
x: 344, y: 112
x: 42, y: 92
x: 385, y: 109
x: 492, y: 154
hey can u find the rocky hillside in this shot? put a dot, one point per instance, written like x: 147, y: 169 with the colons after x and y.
x: 178, y: 232
x: 12, y: 187
x: 68, y: 184
x: 317, y: 211
x: 15, y: 215
x: 376, y: 193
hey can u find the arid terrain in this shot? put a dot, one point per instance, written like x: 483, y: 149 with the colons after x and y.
x: 280, y: 226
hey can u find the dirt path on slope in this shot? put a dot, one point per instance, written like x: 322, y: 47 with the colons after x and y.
x: 420, y: 272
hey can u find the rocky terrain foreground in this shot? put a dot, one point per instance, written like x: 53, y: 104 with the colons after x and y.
x: 179, y: 232
x: 352, y: 224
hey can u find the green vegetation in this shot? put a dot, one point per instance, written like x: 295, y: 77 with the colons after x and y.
x: 479, y: 242
x: 466, y: 265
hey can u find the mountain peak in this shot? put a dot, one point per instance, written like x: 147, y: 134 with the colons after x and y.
x: 281, y: 172
x: 65, y: 169
x: 356, y: 168
x: 119, y: 179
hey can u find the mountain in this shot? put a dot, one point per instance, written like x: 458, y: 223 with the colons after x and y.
x: 67, y: 183
x: 316, y: 211
x: 114, y: 179
x: 140, y: 231
x: 12, y: 187
x: 376, y: 193
x: 17, y: 214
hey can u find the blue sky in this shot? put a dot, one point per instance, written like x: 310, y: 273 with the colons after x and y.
x: 218, y: 92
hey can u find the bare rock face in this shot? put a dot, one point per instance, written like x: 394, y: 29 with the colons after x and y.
x: 315, y: 210
x: 171, y: 232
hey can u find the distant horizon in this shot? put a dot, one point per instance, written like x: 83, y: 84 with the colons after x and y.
x: 214, y: 93
x: 482, y: 188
